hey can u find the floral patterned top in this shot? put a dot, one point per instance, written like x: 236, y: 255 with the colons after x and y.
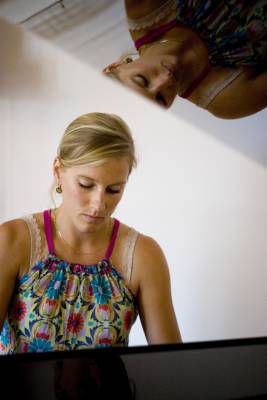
x: 63, y: 306
x: 234, y: 31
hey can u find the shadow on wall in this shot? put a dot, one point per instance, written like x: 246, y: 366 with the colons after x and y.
x: 21, y: 62
x: 245, y: 135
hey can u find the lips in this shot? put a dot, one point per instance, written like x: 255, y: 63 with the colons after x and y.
x: 93, y: 217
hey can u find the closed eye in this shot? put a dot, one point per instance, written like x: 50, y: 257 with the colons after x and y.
x: 140, y: 80
x: 108, y: 190
x: 85, y: 186
x: 113, y: 191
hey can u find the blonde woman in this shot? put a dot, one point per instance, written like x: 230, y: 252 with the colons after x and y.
x: 212, y: 53
x: 74, y: 277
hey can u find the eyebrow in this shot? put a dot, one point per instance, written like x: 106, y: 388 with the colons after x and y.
x: 94, y: 180
x: 141, y: 90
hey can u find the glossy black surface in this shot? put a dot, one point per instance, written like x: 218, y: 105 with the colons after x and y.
x: 230, y: 369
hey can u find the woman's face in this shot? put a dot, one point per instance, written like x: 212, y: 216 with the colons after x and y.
x: 90, y: 193
x: 152, y: 75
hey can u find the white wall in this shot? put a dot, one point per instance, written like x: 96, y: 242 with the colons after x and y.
x: 201, y: 198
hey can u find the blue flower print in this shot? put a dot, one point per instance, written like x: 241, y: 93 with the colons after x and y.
x: 5, y: 334
x: 101, y: 289
x: 56, y: 285
x: 39, y: 345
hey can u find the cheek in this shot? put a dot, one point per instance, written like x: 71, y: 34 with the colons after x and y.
x: 113, y: 201
x: 73, y: 194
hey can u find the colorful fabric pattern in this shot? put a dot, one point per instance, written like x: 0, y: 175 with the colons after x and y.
x: 234, y: 31
x: 63, y: 306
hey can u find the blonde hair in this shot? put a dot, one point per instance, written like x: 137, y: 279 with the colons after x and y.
x: 95, y: 138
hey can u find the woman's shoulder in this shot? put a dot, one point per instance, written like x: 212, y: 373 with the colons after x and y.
x: 149, y: 249
x: 15, y: 237
x: 142, y: 17
x: 229, y: 102
x: 127, y: 229
x: 147, y: 259
x: 13, y: 231
x: 224, y: 89
x: 14, y: 244
x: 145, y: 246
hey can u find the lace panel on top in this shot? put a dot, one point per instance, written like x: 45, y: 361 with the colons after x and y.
x: 38, y: 250
x: 128, y: 253
x: 154, y: 17
x: 206, y: 98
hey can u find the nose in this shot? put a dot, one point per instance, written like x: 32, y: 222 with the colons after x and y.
x: 97, y: 203
x: 164, y: 88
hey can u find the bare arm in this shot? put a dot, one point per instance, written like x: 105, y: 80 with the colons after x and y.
x: 9, y: 264
x: 154, y: 298
x: 244, y: 96
x: 138, y: 9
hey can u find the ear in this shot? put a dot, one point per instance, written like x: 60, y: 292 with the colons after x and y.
x: 57, y: 169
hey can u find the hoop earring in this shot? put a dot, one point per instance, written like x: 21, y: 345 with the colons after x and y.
x: 59, y: 189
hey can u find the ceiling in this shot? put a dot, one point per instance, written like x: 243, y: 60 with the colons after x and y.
x: 95, y: 31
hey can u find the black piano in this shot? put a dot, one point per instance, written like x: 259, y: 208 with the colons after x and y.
x: 227, y: 369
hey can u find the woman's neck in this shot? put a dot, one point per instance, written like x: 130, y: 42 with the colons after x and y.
x: 82, y: 241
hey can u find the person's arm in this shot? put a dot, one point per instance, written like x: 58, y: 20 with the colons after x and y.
x: 244, y: 96
x: 137, y: 9
x: 154, y: 297
x: 9, y: 265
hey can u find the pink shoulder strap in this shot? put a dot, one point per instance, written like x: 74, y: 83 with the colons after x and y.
x: 48, y: 231
x: 155, y: 33
x: 113, y: 239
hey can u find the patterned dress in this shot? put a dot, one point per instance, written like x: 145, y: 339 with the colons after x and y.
x: 234, y: 31
x: 62, y: 306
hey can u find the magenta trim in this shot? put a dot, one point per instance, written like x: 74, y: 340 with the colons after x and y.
x: 155, y: 33
x: 48, y: 231
x: 113, y: 239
